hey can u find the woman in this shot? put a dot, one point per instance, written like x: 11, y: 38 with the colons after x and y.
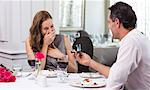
x: 43, y: 38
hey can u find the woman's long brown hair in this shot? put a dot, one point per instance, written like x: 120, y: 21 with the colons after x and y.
x: 36, y: 37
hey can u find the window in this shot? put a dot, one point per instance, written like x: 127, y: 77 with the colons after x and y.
x: 71, y: 15
x: 142, y: 10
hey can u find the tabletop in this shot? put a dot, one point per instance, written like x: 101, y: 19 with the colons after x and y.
x: 52, y: 84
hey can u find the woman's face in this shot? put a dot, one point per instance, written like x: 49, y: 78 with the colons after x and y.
x: 47, y: 26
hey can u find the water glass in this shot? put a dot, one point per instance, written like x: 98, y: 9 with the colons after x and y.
x: 17, y: 70
x: 41, y: 80
x: 62, y: 69
x: 62, y: 74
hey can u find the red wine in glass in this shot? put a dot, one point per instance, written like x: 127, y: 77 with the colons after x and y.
x: 62, y: 64
x: 32, y: 64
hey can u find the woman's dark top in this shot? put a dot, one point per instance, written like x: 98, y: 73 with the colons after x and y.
x: 51, y: 63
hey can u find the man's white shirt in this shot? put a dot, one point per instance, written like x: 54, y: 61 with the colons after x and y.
x: 132, y: 67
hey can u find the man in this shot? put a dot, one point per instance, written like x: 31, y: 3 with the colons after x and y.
x: 132, y: 67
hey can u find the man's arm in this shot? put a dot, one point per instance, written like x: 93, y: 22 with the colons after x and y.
x: 86, y: 60
x: 104, y: 70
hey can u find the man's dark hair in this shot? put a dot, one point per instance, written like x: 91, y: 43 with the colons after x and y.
x: 124, y: 13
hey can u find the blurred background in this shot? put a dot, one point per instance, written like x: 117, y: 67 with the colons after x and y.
x: 69, y: 16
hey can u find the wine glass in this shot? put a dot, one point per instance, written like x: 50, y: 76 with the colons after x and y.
x: 32, y: 64
x: 62, y: 65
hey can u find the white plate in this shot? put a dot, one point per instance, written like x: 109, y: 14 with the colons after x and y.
x: 49, y: 74
x: 91, y: 75
x: 93, y: 84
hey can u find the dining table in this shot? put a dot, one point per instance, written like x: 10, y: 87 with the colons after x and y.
x: 53, y: 83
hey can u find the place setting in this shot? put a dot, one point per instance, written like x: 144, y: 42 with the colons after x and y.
x: 89, y: 80
x: 91, y: 75
x: 48, y: 73
x: 89, y: 83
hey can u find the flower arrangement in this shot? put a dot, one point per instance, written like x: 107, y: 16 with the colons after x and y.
x: 6, y: 75
x: 39, y: 56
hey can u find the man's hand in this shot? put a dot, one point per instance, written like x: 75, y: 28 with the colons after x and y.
x: 83, y: 58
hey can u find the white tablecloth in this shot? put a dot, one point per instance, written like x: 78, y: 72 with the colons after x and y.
x: 24, y: 83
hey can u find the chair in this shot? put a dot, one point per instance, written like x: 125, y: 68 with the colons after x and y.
x: 86, y: 47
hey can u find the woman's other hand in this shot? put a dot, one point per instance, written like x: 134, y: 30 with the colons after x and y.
x: 55, y: 53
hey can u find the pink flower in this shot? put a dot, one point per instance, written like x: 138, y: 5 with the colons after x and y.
x: 2, y: 69
x: 12, y: 78
x: 39, y: 56
x: 6, y: 75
